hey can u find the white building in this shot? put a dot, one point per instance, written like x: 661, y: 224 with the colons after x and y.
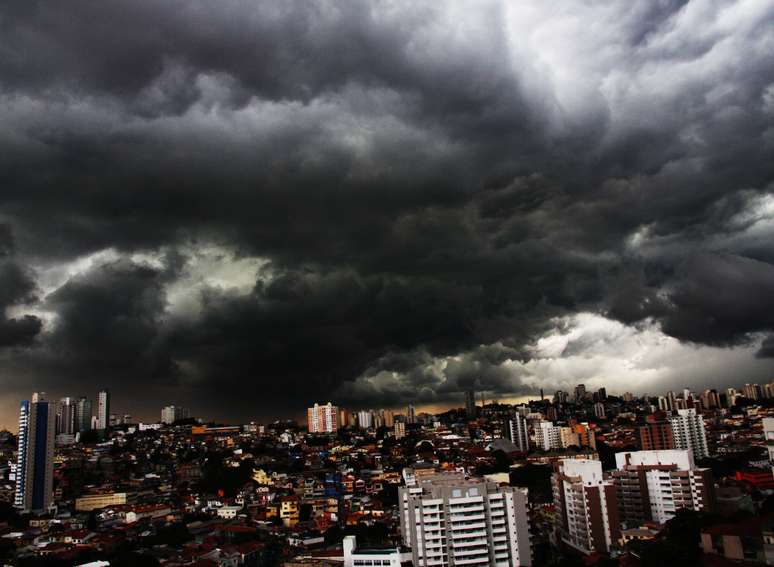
x: 653, y: 485
x: 587, y: 505
x: 103, y: 409
x: 170, y: 414
x: 354, y: 557
x: 518, y: 432
x: 365, y: 419
x: 322, y: 419
x: 688, y: 431
x: 448, y: 520
x: 548, y: 436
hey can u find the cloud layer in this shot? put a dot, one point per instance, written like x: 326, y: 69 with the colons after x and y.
x: 255, y: 206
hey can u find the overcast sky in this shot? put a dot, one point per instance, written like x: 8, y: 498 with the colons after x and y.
x: 247, y: 207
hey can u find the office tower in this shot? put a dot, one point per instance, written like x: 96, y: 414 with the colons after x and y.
x: 171, y: 414
x: 547, y: 436
x: 103, y: 409
x: 688, y: 432
x: 65, y: 417
x: 470, y: 404
x: 560, y: 397
x: 322, y: 419
x: 602, y: 394
x: 365, y: 419
x: 586, y: 504
x: 448, y: 520
x: 35, y: 461
x: 599, y: 410
x: 389, y: 418
x: 411, y: 415
x: 83, y: 414
x: 518, y: 432
x: 656, y: 436
x: 400, y: 430
x: 580, y: 393
x: 653, y: 485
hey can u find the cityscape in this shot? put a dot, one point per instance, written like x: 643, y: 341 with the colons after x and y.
x: 371, y: 283
x: 577, y: 477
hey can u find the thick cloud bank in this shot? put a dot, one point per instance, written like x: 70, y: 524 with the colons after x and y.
x: 249, y: 206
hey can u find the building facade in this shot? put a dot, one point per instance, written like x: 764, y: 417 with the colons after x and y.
x: 586, y: 505
x: 652, y: 485
x: 103, y: 410
x: 656, y: 436
x: 322, y: 419
x: 447, y: 520
x: 518, y: 432
x: 35, y: 461
x: 688, y: 432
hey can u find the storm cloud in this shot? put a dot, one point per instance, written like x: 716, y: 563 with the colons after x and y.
x: 246, y: 207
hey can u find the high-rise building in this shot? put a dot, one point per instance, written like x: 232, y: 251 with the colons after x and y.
x: 656, y: 436
x: 171, y: 414
x: 599, y: 410
x: 35, y: 461
x: 688, y: 432
x: 389, y: 418
x: 400, y: 430
x: 343, y: 417
x: 470, y: 404
x: 83, y: 414
x: 752, y: 391
x: 652, y: 485
x: 580, y: 393
x: 586, y: 504
x: 547, y: 436
x: 103, y: 409
x: 365, y: 419
x: 448, y: 520
x: 560, y: 397
x: 518, y: 432
x: 411, y: 414
x: 322, y: 419
x: 65, y: 417
x: 768, y: 436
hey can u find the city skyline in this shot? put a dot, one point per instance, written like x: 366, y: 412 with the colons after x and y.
x: 234, y: 205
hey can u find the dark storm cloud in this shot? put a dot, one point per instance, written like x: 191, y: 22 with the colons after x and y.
x: 427, y: 182
x: 17, y: 287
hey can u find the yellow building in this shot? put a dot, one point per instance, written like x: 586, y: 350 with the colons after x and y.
x: 289, y: 510
x: 95, y: 501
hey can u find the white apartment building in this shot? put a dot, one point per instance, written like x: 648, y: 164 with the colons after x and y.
x: 448, y: 521
x: 653, y: 485
x: 689, y: 433
x: 355, y: 557
x: 586, y: 505
x: 518, y: 432
x: 548, y: 436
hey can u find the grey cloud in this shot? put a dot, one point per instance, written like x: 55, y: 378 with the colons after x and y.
x: 423, y: 178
